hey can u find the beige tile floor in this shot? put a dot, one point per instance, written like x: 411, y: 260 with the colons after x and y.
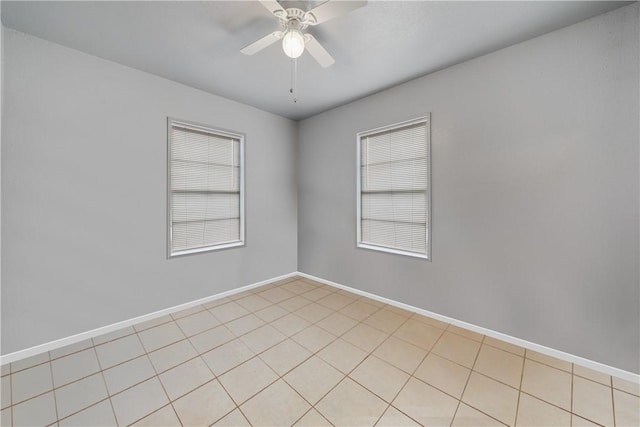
x: 300, y: 353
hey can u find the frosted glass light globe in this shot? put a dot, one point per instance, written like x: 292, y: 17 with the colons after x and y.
x: 293, y: 43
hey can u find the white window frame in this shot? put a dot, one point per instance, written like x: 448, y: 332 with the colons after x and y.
x: 225, y: 133
x: 426, y: 119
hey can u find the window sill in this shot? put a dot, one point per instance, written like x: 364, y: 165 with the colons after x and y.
x: 206, y: 249
x: 393, y: 251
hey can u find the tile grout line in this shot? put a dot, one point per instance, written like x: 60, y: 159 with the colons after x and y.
x: 222, y: 324
x: 347, y: 375
x: 153, y: 325
x: 315, y: 354
x: 113, y: 339
x: 532, y: 395
x: 132, y: 385
x: 215, y: 377
x: 595, y: 382
x: 464, y: 388
x: 467, y: 383
x: 32, y: 366
x: 547, y: 402
x: 73, y: 352
x: 520, y: 389
x: 146, y: 354
x: 492, y: 378
x: 234, y: 402
x: 542, y: 399
x: 55, y: 400
x: 342, y: 373
x: 412, y: 372
x: 390, y: 404
x: 502, y: 349
x: 625, y: 392
x: 549, y: 365
x: 308, y: 411
x: 571, y: 397
x: 11, y: 392
x: 83, y: 409
x: 411, y: 375
x: 487, y: 415
x: 257, y: 355
x: 54, y: 387
x: 104, y: 381
x: 613, y: 402
x: 227, y: 414
x: 515, y: 421
x: 263, y: 351
x: 312, y: 406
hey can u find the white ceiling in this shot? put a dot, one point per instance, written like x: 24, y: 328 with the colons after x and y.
x: 375, y: 47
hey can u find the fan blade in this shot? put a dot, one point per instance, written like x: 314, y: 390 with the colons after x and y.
x: 274, y: 7
x: 260, y: 44
x: 318, y: 52
x: 332, y: 9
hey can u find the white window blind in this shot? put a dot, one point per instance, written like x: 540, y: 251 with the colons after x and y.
x: 205, y: 189
x: 393, y: 199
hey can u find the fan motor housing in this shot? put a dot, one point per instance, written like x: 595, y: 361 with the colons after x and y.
x: 296, y: 19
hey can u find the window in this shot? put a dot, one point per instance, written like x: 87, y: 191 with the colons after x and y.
x: 394, y: 188
x: 206, y: 188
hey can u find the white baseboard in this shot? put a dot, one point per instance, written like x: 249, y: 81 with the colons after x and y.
x: 52, y: 345
x: 596, y: 366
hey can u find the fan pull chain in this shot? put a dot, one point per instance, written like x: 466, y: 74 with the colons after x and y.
x: 294, y: 72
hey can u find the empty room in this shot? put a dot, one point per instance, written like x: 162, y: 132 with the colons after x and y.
x: 320, y: 213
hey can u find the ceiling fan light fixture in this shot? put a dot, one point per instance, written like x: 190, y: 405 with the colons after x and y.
x: 294, y: 21
x: 293, y: 43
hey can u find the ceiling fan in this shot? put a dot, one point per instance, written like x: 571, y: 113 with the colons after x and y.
x: 294, y: 21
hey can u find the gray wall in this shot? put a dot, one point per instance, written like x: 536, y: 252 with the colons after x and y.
x: 1, y: 113
x: 84, y: 194
x: 535, y: 191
